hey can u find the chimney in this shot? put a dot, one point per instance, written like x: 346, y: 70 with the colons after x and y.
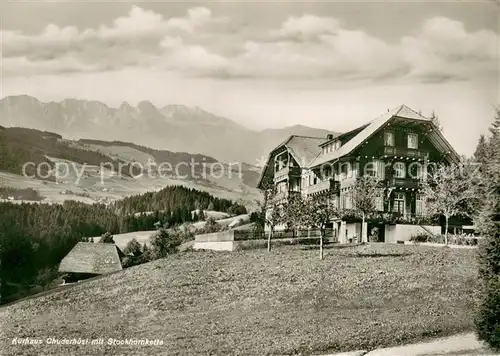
x: 329, y: 137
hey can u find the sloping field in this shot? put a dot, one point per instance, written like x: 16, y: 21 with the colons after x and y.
x: 257, y: 303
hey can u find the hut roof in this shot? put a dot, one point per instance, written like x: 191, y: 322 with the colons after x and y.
x: 95, y: 258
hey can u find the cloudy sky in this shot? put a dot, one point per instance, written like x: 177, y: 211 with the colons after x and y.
x: 333, y: 65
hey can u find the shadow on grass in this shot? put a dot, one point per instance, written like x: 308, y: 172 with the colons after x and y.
x: 375, y: 254
x: 310, y: 246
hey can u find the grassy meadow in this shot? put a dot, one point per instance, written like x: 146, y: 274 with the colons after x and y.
x: 253, y: 302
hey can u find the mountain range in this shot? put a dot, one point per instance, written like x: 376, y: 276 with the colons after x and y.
x: 175, y: 128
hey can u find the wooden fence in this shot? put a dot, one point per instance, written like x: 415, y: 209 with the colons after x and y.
x: 243, y: 235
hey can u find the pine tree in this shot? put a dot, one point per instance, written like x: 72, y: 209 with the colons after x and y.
x: 488, y: 319
x: 481, y: 154
x: 435, y: 120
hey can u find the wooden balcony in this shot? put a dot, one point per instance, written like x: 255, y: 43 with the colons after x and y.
x: 328, y: 185
x: 285, y: 173
x: 404, y: 152
x: 409, y: 183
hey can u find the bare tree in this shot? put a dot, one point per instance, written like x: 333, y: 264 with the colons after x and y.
x: 269, y: 211
x: 318, y: 212
x: 452, y: 191
x: 364, y: 194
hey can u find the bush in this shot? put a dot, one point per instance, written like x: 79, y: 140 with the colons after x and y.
x: 107, y: 238
x: 237, y: 209
x: 419, y: 238
x: 163, y: 243
x: 211, y: 226
x: 133, y: 247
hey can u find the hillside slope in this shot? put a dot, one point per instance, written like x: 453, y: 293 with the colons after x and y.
x: 172, y: 127
x: 80, y: 176
x: 256, y: 303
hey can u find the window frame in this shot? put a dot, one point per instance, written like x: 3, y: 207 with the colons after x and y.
x: 399, y: 204
x: 395, y: 170
x: 392, y: 136
x: 415, y: 135
x: 419, y: 204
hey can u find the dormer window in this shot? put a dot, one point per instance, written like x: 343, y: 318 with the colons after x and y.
x: 413, y: 141
x: 389, y: 138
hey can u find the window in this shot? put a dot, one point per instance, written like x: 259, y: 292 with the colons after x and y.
x: 379, y: 201
x: 413, y: 141
x: 399, y: 203
x: 389, y: 138
x: 371, y: 169
x: 399, y: 170
x: 348, y: 201
x: 337, y: 145
x: 419, y: 206
x: 415, y: 170
x: 375, y: 168
x: 352, y: 170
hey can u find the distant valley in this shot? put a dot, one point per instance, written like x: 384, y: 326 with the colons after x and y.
x: 101, y: 171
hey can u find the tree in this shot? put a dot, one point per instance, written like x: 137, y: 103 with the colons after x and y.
x: 269, y: 211
x: 163, y: 244
x: 481, y: 154
x: 435, y: 120
x: 488, y: 222
x: 146, y: 254
x: 211, y: 206
x: 318, y: 212
x: 107, y: 238
x: 451, y: 191
x: 237, y: 209
x: 363, y: 195
x: 133, y: 247
x: 211, y: 225
x: 293, y: 210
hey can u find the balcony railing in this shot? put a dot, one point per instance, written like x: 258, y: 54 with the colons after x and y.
x: 328, y: 185
x: 286, y: 172
x: 405, y: 152
x: 410, y: 183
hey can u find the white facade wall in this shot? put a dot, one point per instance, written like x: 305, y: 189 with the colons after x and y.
x: 403, y: 232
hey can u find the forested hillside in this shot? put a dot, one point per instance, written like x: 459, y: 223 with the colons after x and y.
x: 35, y: 237
x: 19, y: 146
x: 168, y: 199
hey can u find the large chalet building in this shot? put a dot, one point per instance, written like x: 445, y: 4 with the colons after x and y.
x: 399, y: 147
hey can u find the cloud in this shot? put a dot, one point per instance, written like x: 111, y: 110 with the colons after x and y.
x: 307, y: 28
x: 306, y: 47
x: 191, y: 60
x: 444, y: 49
x: 134, y: 39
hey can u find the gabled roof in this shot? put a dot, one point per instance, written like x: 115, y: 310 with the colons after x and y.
x: 373, y: 126
x: 89, y: 257
x: 302, y: 148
